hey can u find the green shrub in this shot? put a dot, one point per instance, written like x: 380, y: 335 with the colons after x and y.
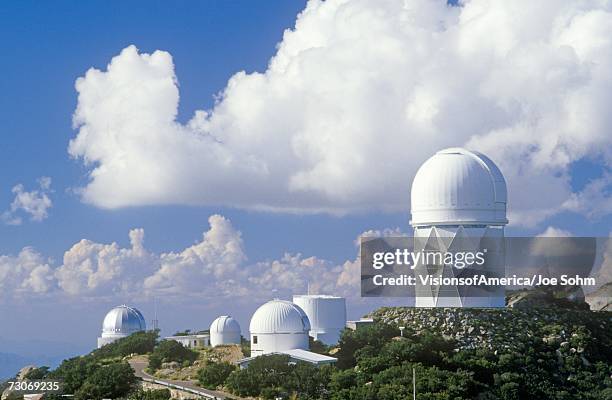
x: 37, y: 373
x: 168, y: 351
x: 136, y: 343
x: 350, y: 341
x: 155, y: 394
x: 271, y: 375
x: 214, y: 374
x: 108, y: 382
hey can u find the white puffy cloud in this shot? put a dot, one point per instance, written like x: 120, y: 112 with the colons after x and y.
x: 91, y: 268
x: 555, y: 232
x: 216, y: 267
x: 358, y: 94
x: 595, y: 200
x: 26, y: 274
x: 35, y: 203
x: 294, y: 273
x: 210, y: 267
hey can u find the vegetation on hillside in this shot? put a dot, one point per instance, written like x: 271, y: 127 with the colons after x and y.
x: 136, y: 343
x: 272, y: 376
x: 548, y: 353
x: 214, y: 374
x: 170, y: 351
x: 485, y: 354
x: 103, y: 373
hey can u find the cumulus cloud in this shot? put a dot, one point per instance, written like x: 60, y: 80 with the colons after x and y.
x: 35, y: 203
x: 210, y: 266
x: 216, y: 267
x: 26, y: 274
x: 294, y: 273
x: 358, y: 94
x: 91, y: 268
x: 595, y: 200
x: 555, y: 232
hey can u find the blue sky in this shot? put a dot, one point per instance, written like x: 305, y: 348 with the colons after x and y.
x: 347, y: 75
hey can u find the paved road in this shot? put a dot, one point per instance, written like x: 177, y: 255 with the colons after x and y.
x: 139, y: 367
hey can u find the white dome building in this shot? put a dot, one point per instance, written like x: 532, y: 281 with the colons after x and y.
x: 458, y: 186
x: 277, y: 326
x: 327, y: 315
x: 224, y: 330
x: 458, y: 202
x: 121, y: 322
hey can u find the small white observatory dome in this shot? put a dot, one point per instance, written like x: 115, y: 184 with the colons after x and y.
x: 458, y: 187
x: 121, y: 322
x: 278, y: 325
x: 224, y: 330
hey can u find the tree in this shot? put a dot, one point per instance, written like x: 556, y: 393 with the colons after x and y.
x: 317, y: 346
x: 74, y: 372
x: 214, y: 374
x: 37, y: 373
x: 245, y: 346
x: 169, y: 350
x: 273, y: 375
x: 374, y: 335
x: 155, y: 362
x: 108, y: 382
x: 136, y: 343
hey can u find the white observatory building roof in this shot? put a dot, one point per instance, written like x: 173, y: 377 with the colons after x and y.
x: 224, y: 324
x: 224, y: 330
x: 123, y: 320
x: 279, y: 316
x: 458, y: 187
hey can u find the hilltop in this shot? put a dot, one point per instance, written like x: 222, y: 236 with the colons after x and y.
x: 542, y: 347
x: 599, y: 300
x: 506, y: 329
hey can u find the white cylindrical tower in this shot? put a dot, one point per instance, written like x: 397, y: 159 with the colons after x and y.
x: 224, y: 330
x: 327, y: 316
x: 278, y: 325
x: 121, y: 322
x: 458, y: 203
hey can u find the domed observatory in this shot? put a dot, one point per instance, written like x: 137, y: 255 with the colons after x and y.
x: 327, y: 315
x: 121, y: 322
x: 224, y: 330
x: 458, y: 202
x: 278, y: 325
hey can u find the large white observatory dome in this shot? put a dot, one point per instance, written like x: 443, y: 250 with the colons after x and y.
x: 224, y: 330
x: 278, y: 325
x: 458, y: 187
x: 120, y: 322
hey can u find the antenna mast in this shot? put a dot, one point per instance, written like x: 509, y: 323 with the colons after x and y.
x: 413, y: 383
x: 155, y: 320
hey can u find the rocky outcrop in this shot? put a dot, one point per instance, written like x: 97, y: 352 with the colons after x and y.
x: 569, y: 298
x: 568, y: 330
x: 601, y: 299
x: 21, y: 375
